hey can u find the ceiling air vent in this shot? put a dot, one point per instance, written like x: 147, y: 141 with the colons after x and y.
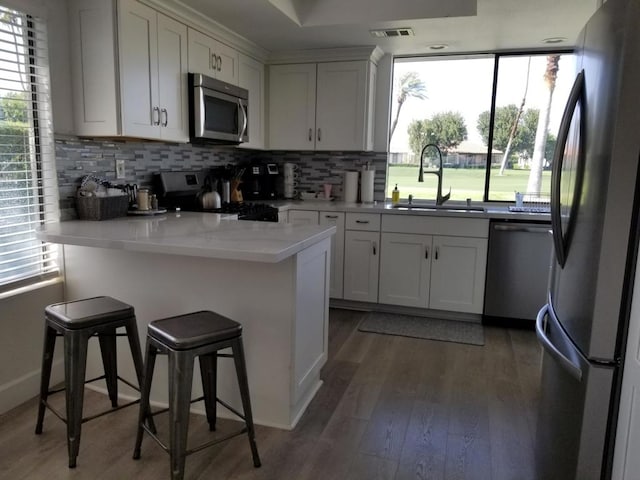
x: 392, y: 32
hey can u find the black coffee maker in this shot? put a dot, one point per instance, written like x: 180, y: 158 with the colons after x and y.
x: 259, y: 182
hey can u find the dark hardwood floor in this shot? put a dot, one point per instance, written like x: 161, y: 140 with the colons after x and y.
x: 390, y: 408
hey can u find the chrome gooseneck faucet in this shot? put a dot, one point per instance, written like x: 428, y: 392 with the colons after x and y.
x: 439, y: 198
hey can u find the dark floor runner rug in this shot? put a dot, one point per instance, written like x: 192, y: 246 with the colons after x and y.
x: 423, y: 327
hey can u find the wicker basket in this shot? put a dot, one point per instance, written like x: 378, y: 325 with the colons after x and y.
x: 102, y: 208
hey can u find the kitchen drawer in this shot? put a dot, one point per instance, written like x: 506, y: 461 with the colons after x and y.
x: 306, y: 217
x: 431, y: 225
x: 369, y: 222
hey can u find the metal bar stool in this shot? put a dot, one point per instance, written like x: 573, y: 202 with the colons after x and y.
x: 76, y: 322
x: 183, y: 338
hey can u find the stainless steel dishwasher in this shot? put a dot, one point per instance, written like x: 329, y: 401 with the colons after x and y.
x: 518, y: 264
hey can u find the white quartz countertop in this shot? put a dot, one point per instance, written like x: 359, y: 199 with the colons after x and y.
x: 491, y: 210
x: 194, y: 234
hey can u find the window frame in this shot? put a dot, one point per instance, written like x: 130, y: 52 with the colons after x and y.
x: 42, y: 180
x: 496, y: 63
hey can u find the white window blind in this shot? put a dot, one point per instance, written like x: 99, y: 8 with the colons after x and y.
x: 28, y: 185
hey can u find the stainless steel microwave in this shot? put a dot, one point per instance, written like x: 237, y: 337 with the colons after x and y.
x: 218, y: 111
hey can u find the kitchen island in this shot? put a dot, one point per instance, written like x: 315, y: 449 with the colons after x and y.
x: 272, y: 278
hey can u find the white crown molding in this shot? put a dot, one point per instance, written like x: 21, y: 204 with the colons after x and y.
x: 373, y: 53
x: 196, y: 20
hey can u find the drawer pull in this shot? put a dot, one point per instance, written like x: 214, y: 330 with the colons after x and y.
x: 331, y: 216
x: 362, y: 221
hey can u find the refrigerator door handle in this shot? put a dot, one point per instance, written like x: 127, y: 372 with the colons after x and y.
x: 573, y: 369
x: 561, y: 238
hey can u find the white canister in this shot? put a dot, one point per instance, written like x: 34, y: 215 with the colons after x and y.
x: 366, y: 186
x: 350, y: 187
x: 143, y: 199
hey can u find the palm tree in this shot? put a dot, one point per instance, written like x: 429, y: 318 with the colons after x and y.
x: 410, y: 85
x: 535, y: 175
x: 514, y: 127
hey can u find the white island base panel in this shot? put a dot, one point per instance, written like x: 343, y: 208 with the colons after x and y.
x: 283, y: 309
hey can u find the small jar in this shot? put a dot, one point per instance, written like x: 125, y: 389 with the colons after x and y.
x: 154, y: 202
x: 143, y: 199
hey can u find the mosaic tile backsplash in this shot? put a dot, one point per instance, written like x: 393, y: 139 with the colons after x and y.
x: 77, y: 157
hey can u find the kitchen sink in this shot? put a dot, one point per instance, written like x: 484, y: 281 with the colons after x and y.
x: 431, y: 207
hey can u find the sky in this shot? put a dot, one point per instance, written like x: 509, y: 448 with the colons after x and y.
x: 465, y: 86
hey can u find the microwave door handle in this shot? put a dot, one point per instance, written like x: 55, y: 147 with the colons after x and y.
x: 243, y: 112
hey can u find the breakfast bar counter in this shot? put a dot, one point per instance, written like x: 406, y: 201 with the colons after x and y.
x: 272, y: 278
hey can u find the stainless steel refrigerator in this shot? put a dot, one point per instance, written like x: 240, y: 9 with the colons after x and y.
x: 595, y: 205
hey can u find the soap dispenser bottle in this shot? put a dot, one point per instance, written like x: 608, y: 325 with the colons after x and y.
x: 395, y: 195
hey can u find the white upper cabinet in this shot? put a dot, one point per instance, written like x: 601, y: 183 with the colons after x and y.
x: 292, y: 106
x: 129, y: 71
x: 323, y: 106
x: 342, y: 113
x: 251, y: 78
x: 212, y: 58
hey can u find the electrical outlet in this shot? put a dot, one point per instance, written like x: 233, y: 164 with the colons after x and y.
x: 120, y: 169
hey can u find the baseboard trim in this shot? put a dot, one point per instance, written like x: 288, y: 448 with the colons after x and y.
x: 24, y: 388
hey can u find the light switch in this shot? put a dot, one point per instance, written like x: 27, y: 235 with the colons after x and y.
x: 120, y: 169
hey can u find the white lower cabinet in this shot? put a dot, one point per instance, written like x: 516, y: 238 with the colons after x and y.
x: 361, y: 253
x: 405, y: 269
x: 337, y: 251
x: 427, y: 268
x: 458, y: 273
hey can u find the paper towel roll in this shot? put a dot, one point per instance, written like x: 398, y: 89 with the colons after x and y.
x: 350, y: 187
x: 366, y: 186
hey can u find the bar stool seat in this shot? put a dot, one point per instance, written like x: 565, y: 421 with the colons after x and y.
x: 183, y: 338
x: 193, y: 330
x: 76, y: 322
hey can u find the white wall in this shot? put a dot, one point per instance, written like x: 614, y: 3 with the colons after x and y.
x: 22, y: 333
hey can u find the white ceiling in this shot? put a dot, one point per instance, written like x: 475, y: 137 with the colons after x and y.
x: 464, y: 25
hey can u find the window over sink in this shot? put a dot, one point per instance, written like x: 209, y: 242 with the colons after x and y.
x: 494, y: 117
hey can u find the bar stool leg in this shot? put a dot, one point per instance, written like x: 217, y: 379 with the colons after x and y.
x: 136, y: 353
x: 243, y: 383
x: 208, y: 373
x: 180, y: 380
x: 145, y: 393
x: 75, y: 365
x: 45, y: 376
x: 131, y: 329
x: 110, y: 362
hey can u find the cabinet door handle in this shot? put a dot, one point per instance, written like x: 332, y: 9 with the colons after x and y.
x: 374, y: 248
x: 212, y: 61
x: 319, y: 134
x: 219, y: 63
x: 436, y: 255
x: 362, y: 221
x: 426, y: 253
x: 166, y: 117
x: 310, y: 134
x: 331, y: 216
x: 155, y: 120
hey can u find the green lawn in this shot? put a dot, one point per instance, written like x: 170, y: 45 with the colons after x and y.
x: 464, y: 182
